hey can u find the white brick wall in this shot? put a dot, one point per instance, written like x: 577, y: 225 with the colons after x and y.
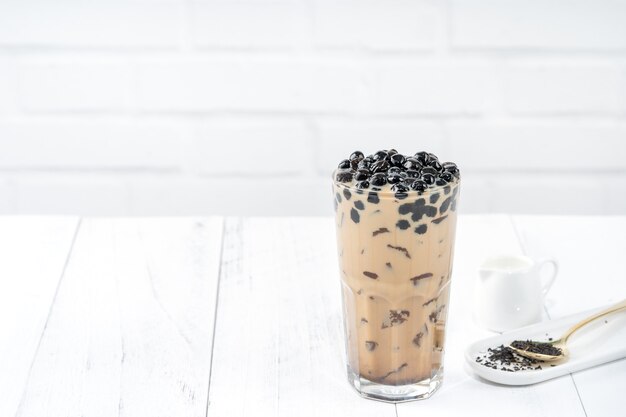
x: 48, y: 84
x: 63, y: 143
x: 564, y: 89
x: 140, y: 107
x: 558, y: 25
x: 110, y: 24
x: 405, y: 88
x: 386, y: 25
x: 248, y: 25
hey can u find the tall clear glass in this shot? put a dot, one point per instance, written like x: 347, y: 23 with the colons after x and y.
x: 395, y: 260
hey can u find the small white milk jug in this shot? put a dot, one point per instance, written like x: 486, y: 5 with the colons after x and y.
x: 509, y: 291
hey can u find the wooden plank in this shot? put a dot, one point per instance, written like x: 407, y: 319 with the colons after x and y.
x: 279, y: 339
x: 33, y: 253
x: 131, y: 330
x: 590, y: 250
x: 477, y: 238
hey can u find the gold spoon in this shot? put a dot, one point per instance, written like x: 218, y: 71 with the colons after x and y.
x: 562, y: 341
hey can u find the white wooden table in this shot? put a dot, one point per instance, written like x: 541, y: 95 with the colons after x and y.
x: 241, y: 317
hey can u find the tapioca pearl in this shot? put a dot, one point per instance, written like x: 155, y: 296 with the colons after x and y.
x: 412, y: 163
x: 388, y: 265
x: 446, y: 190
x: 445, y: 205
x: 450, y: 166
x: 436, y: 165
x: 359, y: 205
x: 429, y: 179
x: 378, y: 179
x: 431, y: 211
x: 364, y: 320
x: 412, y: 174
x: 446, y: 176
x: 379, y: 167
x: 453, y: 205
x: 452, y: 169
x: 336, y: 204
x: 400, y: 191
x: 356, y: 156
x: 394, y: 178
x: 343, y: 176
x: 338, y: 197
x: 354, y: 215
x: 422, y: 157
x: 372, y: 197
x: 344, y: 164
x: 419, y: 186
x: 421, y: 211
x: 406, y: 208
x: 380, y: 156
x: 434, y: 198
x: 403, y: 224
x: 397, y: 160
x: 364, y: 164
x: 347, y: 194
x: 361, y: 185
x: 429, y: 170
x: 361, y: 175
x: 421, y: 229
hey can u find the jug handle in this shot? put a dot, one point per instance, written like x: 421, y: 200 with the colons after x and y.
x: 555, y: 269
